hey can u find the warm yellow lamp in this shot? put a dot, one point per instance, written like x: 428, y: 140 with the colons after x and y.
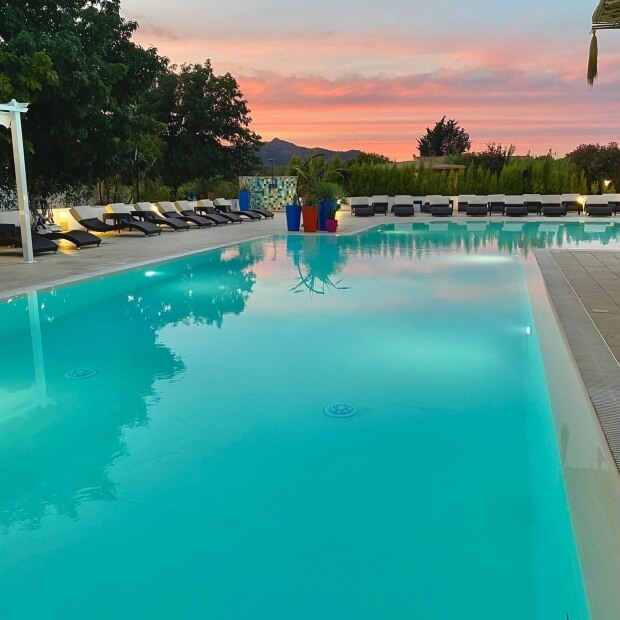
x: 63, y: 216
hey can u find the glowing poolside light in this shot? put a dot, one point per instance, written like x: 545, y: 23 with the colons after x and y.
x: 63, y: 216
x: 149, y: 274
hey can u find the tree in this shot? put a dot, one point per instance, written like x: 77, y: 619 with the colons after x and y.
x: 370, y: 158
x: 493, y: 158
x: 598, y: 163
x: 206, y: 124
x: 74, y: 61
x: 445, y: 138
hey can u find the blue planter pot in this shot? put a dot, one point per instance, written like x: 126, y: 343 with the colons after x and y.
x: 244, y: 199
x: 293, y: 217
x: 324, y: 208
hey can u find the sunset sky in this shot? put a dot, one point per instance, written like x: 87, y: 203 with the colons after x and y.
x: 374, y: 75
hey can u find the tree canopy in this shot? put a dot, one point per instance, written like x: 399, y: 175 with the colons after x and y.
x: 206, y: 124
x: 446, y: 138
x: 96, y: 99
x: 493, y: 158
x: 598, y: 163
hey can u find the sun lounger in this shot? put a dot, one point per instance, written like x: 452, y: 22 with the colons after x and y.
x: 167, y: 209
x: 598, y: 206
x: 572, y: 202
x: 222, y: 205
x: 403, y: 205
x: 91, y: 218
x: 206, y: 208
x: 13, y: 236
x: 225, y: 207
x: 208, y: 205
x: 363, y: 204
x: 614, y: 201
x: 79, y: 238
x: 48, y: 229
x: 148, y: 212
x: 380, y: 203
x: 463, y: 201
x: 124, y: 216
x: 477, y: 205
x: 219, y: 217
x: 532, y: 202
x: 40, y: 243
x: 440, y: 206
x: 514, y: 207
x: 551, y: 205
x: 496, y: 203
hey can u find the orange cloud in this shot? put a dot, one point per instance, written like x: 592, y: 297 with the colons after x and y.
x: 380, y: 90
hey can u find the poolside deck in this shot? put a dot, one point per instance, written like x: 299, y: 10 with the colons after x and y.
x: 584, y: 287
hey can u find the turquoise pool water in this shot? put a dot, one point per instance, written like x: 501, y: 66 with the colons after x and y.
x: 189, y: 471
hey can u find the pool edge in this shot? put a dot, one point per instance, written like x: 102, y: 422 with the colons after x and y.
x: 590, y: 473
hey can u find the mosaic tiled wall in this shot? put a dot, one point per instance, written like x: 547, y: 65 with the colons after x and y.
x: 271, y: 193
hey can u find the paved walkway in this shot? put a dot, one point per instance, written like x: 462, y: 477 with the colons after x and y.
x: 585, y: 289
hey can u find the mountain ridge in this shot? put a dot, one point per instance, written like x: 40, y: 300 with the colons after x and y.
x: 278, y: 152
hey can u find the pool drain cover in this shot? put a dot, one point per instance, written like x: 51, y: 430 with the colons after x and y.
x: 341, y: 410
x: 80, y: 373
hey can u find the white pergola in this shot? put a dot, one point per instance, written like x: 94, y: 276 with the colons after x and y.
x: 10, y: 117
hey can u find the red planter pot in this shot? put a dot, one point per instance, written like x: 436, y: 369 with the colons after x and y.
x: 310, y: 218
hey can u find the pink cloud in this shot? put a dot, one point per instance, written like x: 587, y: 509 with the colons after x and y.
x: 380, y: 90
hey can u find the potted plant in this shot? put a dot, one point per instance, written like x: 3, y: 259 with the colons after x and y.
x: 293, y: 215
x: 244, y: 194
x: 309, y: 213
x: 311, y: 175
x: 330, y: 196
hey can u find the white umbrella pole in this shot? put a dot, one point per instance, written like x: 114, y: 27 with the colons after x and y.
x: 22, y: 186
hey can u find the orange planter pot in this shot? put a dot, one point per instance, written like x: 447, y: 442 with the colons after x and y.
x: 310, y: 218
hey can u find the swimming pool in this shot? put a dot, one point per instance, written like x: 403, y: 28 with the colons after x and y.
x: 164, y: 448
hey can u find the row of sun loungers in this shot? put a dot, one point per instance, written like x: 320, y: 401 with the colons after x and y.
x: 551, y: 205
x: 145, y: 217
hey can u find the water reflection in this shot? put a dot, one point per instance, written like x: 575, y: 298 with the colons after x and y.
x: 423, y: 238
x: 317, y: 259
x: 59, y: 436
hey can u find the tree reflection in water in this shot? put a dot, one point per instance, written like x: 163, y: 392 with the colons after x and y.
x: 69, y: 432
x: 425, y: 238
x: 317, y: 259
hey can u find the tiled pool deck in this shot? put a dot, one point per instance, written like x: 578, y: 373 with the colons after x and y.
x: 584, y: 287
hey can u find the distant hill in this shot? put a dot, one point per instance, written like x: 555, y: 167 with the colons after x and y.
x: 281, y: 152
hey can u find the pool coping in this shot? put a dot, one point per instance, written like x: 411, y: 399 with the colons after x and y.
x: 588, y: 468
x: 597, y: 365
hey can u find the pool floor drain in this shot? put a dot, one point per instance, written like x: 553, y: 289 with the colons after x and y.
x: 80, y: 373
x: 341, y: 410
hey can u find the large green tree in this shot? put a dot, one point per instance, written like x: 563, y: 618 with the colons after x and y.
x: 74, y: 62
x: 445, y: 138
x: 207, y: 123
x: 598, y: 163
